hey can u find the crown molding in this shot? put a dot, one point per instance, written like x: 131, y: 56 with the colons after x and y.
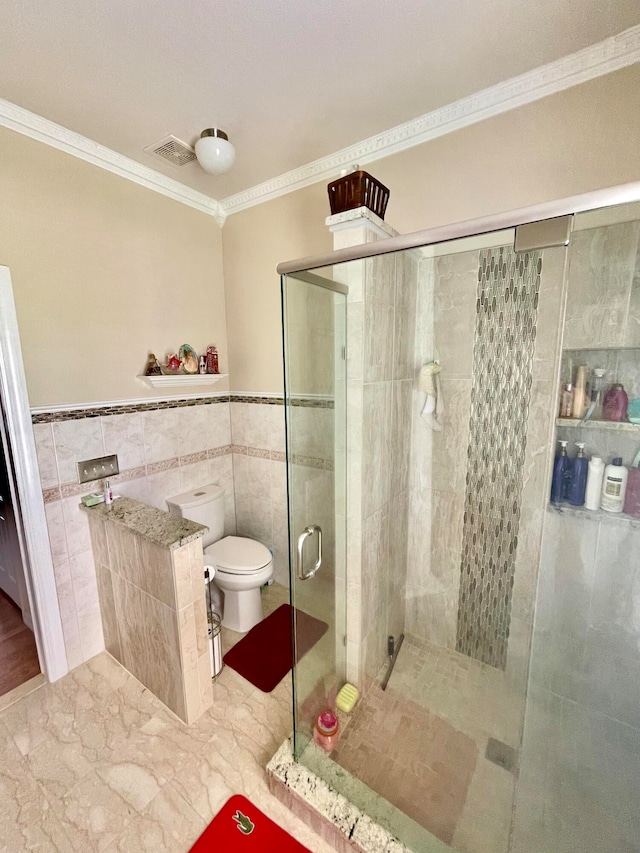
x: 610, y: 55
x: 599, y: 59
x: 36, y: 127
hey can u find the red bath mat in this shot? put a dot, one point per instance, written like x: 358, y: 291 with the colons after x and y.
x: 240, y: 826
x: 265, y: 655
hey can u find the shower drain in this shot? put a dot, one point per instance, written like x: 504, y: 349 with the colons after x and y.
x: 503, y: 755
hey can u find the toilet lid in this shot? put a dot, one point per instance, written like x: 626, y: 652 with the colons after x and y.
x: 237, y: 554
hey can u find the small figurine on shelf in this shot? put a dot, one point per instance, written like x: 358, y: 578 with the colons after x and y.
x: 153, y: 366
x: 202, y: 365
x: 212, y: 360
x: 172, y: 364
x: 189, y: 359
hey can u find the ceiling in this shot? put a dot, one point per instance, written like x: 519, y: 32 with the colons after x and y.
x: 291, y: 81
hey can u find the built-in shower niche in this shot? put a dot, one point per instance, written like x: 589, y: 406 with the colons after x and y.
x: 606, y: 439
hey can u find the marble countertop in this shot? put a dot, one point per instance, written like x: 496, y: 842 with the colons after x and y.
x: 162, y: 528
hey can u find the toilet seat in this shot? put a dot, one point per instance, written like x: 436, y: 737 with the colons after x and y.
x: 238, y: 555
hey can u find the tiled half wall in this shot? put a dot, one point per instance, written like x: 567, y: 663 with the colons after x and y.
x: 163, y: 449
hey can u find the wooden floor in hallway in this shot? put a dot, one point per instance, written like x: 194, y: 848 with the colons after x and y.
x: 18, y: 653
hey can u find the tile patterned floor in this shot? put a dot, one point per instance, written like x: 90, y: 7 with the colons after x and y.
x: 95, y: 763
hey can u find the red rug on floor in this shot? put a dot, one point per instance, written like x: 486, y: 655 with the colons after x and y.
x: 265, y: 655
x: 240, y: 826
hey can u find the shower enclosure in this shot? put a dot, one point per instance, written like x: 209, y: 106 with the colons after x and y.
x: 511, y: 720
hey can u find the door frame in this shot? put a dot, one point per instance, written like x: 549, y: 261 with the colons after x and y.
x: 39, y: 576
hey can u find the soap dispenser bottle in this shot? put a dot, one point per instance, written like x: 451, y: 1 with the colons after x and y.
x: 579, y: 471
x: 560, y: 472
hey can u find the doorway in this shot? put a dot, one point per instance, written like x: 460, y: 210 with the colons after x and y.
x: 18, y: 653
x: 38, y: 599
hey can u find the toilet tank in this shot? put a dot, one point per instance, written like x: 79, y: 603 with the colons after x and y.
x: 205, y: 505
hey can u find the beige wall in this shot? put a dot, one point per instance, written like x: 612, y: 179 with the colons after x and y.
x: 103, y: 271
x: 573, y: 142
x: 255, y: 241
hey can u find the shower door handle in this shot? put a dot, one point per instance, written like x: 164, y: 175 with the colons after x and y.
x: 309, y: 531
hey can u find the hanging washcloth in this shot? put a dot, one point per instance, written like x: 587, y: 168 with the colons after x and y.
x: 429, y: 383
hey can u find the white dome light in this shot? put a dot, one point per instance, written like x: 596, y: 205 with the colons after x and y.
x: 214, y: 151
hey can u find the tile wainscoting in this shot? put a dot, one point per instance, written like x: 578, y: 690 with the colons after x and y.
x: 165, y: 448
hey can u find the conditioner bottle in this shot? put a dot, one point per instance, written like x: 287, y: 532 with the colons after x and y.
x: 614, y: 486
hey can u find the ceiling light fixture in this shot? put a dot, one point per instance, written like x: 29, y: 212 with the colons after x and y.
x: 214, y: 151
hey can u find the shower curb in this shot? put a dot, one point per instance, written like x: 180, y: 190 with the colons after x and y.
x: 344, y: 826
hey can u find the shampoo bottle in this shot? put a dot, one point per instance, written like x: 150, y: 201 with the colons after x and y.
x: 560, y: 470
x: 566, y: 401
x: 615, y: 404
x: 580, y: 398
x: 578, y: 483
x: 594, y: 483
x: 614, y: 486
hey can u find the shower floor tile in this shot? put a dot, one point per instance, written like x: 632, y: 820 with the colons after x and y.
x: 414, y: 759
x: 421, y: 744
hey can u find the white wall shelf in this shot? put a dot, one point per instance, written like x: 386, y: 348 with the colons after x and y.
x: 616, y: 426
x: 183, y: 380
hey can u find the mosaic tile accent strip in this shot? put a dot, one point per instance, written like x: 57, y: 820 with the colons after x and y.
x: 131, y: 408
x: 505, y: 332
x: 312, y: 403
x: 67, y: 490
x: 262, y: 401
x: 123, y: 409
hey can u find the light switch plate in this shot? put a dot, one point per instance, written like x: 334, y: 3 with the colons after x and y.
x: 97, y: 469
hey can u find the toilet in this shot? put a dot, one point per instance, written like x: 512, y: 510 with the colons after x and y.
x: 241, y: 565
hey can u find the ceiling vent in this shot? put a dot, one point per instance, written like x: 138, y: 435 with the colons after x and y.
x: 172, y: 150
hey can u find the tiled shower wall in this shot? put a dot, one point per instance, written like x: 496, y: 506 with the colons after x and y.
x: 446, y: 317
x: 587, y: 629
x: 380, y: 377
x: 579, y: 765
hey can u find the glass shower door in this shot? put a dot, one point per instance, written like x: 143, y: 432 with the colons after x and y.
x: 314, y: 345
x: 445, y: 506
